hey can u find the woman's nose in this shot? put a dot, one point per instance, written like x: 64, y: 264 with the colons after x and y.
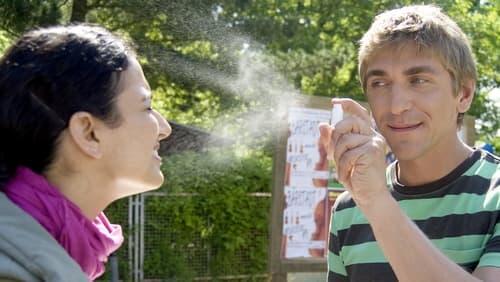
x: 165, y: 129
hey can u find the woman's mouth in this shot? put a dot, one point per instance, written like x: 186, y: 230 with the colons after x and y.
x: 156, y: 153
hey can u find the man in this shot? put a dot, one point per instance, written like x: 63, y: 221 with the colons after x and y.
x: 435, y: 214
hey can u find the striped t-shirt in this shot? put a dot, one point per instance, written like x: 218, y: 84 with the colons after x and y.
x: 459, y: 213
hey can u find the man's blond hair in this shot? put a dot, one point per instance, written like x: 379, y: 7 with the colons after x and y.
x: 428, y: 28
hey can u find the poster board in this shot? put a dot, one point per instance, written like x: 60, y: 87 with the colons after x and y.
x: 301, y: 200
x: 301, y: 204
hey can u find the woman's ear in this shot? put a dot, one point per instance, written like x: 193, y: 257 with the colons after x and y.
x: 83, y: 130
x: 465, y: 95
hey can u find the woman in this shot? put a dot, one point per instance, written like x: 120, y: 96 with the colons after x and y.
x: 77, y: 132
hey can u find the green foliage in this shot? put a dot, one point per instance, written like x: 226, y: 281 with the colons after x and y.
x: 191, y: 53
x: 207, y: 217
x: 316, y: 43
x: 4, y: 41
x: 496, y: 144
x: 218, y: 217
x: 481, y: 22
x: 17, y: 16
x: 190, y: 49
x: 199, y: 107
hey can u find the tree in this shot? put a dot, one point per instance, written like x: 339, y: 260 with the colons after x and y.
x: 79, y: 10
x: 209, y: 59
x: 17, y: 16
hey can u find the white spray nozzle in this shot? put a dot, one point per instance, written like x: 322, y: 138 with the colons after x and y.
x: 337, y: 114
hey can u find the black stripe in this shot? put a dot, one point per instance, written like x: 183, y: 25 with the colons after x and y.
x: 469, y: 267
x: 438, y: 184
x: 335, y: 277
x: 474, y: 184
x: 496, y: 184
x: 435, y: 228
x: 378, y: 272
x: 371, y: 272
x: 491, y: 158
x: 333, y: 244
x: 493, y: 245
x: 345, y: 202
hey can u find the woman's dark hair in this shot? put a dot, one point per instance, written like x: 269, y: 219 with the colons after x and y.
x: 45, y: 77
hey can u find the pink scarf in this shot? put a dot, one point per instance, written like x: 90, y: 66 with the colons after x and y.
x: 89, y: 243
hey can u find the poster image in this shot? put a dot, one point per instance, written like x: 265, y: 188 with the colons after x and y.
x: 308, y: 177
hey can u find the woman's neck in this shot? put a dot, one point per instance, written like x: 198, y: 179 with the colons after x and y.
x: 88, y: 193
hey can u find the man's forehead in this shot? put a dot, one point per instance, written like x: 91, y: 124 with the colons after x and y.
x: 403, y: 57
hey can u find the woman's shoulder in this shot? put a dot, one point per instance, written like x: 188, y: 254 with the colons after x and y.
x: 28, y: 252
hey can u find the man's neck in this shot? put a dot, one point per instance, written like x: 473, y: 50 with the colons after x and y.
x: 433, y: 165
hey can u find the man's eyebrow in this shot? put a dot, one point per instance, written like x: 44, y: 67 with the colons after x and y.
x: 375, y: 72
x: 419, y: 69
x: 410, y: 71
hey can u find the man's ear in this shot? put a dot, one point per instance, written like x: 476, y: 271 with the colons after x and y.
x: 465, y: 95
x: 82, y: 129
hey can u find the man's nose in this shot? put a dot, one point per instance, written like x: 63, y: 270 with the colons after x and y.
x: 401, y: 99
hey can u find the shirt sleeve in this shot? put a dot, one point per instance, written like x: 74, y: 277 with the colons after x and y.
x: 336, y: 268
x: 491, y: 254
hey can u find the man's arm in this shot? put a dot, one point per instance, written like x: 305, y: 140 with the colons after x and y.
x: 359, y: 154
x: 410, y: 253
x: 487, y: 273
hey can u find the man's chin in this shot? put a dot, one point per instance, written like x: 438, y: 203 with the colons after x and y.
x: 406, y: 153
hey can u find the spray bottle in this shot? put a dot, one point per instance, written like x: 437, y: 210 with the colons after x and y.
x: 337, y: 115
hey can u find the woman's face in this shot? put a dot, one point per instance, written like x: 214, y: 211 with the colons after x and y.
x: 131, y: 149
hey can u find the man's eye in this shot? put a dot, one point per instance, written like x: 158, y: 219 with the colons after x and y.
x: 378, y: 83
x: 418, y: 80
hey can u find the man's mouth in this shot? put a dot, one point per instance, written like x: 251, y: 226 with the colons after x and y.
x: 404, y: 127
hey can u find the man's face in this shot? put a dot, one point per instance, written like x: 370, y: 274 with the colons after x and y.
x: 411, y: 98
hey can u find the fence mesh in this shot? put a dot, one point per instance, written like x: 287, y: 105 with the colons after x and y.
x: 170, y: 257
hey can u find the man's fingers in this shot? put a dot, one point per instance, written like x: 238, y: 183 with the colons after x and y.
x: 352, y: 107
x: 352, y: 124
x: 324, y: 130
x: 365, y: 153
x: 325, y: 139
x: 348, y: 142
x: 325, y: 133
x: 347, y: 162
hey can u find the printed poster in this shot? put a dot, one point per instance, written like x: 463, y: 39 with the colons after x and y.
x: 308, y: 177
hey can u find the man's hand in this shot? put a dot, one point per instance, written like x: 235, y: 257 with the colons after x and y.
x: 358, y: 151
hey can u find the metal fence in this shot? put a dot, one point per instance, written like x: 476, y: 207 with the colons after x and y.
x: 146, y: 232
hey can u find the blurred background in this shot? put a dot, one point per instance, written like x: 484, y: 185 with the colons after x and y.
x: 224, y: 73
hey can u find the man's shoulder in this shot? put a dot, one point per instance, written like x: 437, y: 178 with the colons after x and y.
x: 490, y: 157
x: 489, y: 168
x: 344, y: 201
